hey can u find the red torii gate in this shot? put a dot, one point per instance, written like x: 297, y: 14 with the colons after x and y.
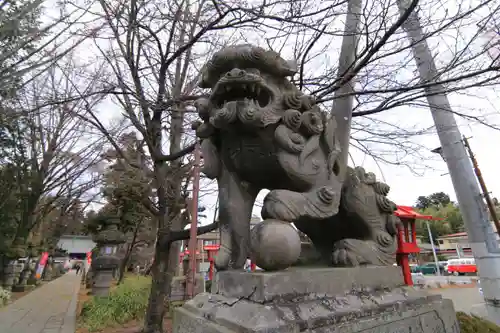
x: 407, y: 238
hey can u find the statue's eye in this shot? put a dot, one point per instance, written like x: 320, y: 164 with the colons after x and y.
x: 254, y: 71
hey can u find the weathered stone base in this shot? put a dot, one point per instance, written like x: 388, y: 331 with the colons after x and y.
x: 101, y: 282
x: 368, y: 300
x: 22, y: 288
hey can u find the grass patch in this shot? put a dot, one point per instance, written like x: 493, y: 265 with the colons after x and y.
x: 172, y: 306
x: 126, y: 302
x: 474, y: 324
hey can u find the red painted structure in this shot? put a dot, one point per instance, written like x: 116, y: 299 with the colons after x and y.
x: 407, y: 238
x: 212, y: 251
x: 41, y: 265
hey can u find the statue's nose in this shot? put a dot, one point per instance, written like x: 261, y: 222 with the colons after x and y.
x: 235, y: 73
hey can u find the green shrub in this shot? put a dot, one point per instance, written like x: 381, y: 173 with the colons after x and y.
x: 474, y: 324
x: 126, y: 302
x: 4, y: 297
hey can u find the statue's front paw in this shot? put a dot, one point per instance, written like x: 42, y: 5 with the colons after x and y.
x: 276, y: 206
x: 344, y: 257
x: 290, y: 206
x: 352, y: 252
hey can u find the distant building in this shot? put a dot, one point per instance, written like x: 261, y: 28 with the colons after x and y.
x: 458, y: 243
x: 423, y: 245
x: 451, y: 241
x: 76, y: 246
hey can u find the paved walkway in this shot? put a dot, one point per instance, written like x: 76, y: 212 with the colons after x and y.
x: 50, y: 308
x: 467, y: 300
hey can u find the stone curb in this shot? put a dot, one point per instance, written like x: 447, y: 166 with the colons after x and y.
x: 443, y: 284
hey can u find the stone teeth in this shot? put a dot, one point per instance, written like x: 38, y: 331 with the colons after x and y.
x: 252, y: 88
x: 257, y: 90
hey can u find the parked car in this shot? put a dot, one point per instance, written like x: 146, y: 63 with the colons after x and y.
x: 430, y: 268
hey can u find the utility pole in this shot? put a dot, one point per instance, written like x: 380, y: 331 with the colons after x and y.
x: 457, y: 248
x: 480, y: 179
x: 193, y: 239
x: 344, y: 97
x: 479, y: 229
x: 436, y: 261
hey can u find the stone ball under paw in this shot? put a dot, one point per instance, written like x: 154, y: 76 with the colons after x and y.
x: 275, y: 245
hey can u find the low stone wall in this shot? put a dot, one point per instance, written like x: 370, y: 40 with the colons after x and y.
x: 443, y: 283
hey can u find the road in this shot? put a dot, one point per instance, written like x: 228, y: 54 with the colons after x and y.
x: 467, y: 300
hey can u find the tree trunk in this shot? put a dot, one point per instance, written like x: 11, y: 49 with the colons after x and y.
x: 123, y: 267
x: 126, y: 259
x: 166, y: 260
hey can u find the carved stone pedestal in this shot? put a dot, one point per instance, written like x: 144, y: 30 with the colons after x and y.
x: 104, y: 267
x: 22, y: 284
x: 321, y: 300
x: 101, y: 282
x: 10, y: 272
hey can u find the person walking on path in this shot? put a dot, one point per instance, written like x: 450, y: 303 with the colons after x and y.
x: 77, y: 268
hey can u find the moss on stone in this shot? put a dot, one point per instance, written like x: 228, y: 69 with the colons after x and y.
x: 474, y: 324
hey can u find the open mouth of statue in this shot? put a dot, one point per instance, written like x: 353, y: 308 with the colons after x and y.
x: 248, y: 92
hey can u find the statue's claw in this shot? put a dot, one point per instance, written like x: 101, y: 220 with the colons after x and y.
x: 290, y: 206
x: 355, y: 252
x: 345, y: 255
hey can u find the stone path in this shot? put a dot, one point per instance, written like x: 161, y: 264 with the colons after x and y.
x: 48, y: 309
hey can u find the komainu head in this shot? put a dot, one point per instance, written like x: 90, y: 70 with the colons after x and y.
x: 249, y: 87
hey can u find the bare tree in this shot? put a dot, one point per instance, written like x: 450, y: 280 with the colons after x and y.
x: 385, y: 77
x: 33, y: 41
x: 55, y: 153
